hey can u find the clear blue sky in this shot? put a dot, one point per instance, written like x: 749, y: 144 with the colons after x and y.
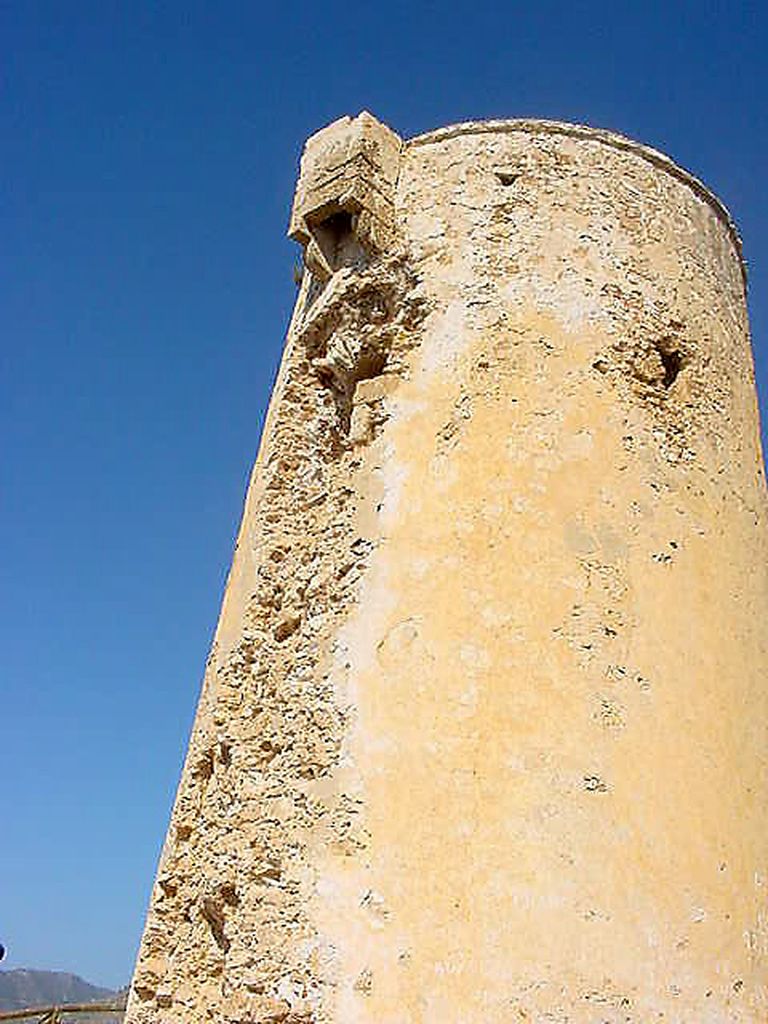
x: 149, y: 161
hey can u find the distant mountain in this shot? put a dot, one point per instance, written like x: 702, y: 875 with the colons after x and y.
x: 24, y: 987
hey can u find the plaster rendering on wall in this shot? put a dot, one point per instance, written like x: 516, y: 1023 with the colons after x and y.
x: 482, y: 736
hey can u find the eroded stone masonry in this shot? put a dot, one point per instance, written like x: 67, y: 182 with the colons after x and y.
x: 482, y: 736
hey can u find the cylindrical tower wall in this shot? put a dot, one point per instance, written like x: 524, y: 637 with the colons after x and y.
x: 484, y: 732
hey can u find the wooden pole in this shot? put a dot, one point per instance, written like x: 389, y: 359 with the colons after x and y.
x: 53, y: 1012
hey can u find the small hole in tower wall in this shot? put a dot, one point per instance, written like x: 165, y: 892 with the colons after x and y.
x: 507, y: 177
x: 369, y: 365
x: 672, y: 362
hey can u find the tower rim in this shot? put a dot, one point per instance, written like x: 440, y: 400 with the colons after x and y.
x: 607, y: 137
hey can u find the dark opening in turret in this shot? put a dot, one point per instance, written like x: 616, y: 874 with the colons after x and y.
x: 338, y: 241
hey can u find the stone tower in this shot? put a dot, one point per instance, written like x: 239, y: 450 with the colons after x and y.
x: 482, y: 737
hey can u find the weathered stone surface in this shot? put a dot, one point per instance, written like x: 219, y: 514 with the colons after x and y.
x: 483, y: 731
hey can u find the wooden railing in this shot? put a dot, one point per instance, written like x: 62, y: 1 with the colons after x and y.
x: 56, y: 1014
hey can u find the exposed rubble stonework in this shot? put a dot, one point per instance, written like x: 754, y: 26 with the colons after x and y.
x: 482, y: 737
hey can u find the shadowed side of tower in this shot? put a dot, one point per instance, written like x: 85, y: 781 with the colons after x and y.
x: 483, y: 732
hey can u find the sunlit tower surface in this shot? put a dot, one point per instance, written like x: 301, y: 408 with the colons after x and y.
x: 482, y: 737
